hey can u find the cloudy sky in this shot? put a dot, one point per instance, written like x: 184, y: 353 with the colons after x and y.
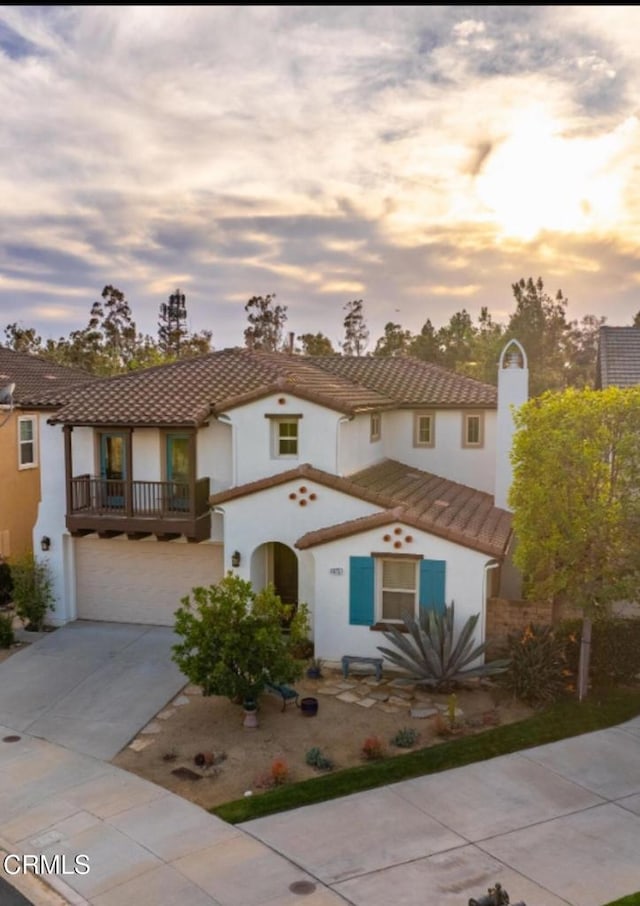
x: 419, y: 158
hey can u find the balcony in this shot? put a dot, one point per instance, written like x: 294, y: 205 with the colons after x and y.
x: 167, y: 509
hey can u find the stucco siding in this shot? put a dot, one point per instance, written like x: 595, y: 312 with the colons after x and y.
x: 19, y: 489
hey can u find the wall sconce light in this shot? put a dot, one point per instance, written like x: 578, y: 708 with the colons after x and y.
x: 235, y: 559
x: 45, y: 543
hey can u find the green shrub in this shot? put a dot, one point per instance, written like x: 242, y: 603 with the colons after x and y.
x: 32, y: 591
x: 232, y: 641
x: 615, y: 649
x: 433, y: 655
x: 405, y: 738
x: 6, y: 583
x: 316, y: 759
x: 539, y: 672
x: 7, y: 636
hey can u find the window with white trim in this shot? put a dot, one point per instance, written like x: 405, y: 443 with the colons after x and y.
x: 424, y: 429
x: 473, y: 429
x: 285, y: 437
x: 27, y: 447
x: 375, y: 429
x: 397, y: 588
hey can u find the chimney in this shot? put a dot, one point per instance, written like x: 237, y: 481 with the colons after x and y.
x: 513, y: 391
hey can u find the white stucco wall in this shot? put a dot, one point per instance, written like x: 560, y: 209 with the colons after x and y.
x: 271, y: 515
x: 50, y: 521
x: 334, y: 636
x: 253, y: 439
x: 356, y: 451
x: 214, y: 455
x: 448, y: 458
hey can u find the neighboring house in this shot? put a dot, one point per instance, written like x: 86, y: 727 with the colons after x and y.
x: 361, y: 486
x: 29, y: 386
x: 618, y: 357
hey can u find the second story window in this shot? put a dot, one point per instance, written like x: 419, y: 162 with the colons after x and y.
x: 424, y: 429
x: 27, y: 454
x: 375, y: 429
x: 286, y: 437
x: 473, y: 429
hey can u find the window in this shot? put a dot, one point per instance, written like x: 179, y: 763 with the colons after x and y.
x: 473, y: 429
x: 27, y: 458
x: 424, y: 429
x: 285, y: 437
x: 376, y: 427
x: 398, y: 586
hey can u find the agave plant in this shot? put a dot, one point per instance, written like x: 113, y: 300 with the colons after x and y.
x: 431, y: 656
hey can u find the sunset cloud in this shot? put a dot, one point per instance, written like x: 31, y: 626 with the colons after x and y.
x: 420, y: 158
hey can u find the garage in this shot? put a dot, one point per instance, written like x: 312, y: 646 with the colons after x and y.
x: 140, y: 581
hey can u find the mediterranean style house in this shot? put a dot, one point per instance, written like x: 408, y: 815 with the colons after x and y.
x: 29, y: 388
x: 364, y: 487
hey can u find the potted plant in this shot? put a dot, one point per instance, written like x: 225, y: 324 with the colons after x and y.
x: 314, y: 670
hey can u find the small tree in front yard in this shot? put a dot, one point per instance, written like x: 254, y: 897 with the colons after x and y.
x: 232, y: 639
x: 576, y: 501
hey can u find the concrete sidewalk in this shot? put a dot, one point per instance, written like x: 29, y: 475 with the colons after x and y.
x: 559, y: 824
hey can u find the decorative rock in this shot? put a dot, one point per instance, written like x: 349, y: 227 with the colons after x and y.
x: 389, y: 709
x: 328, y: 690
x: 348, y: 697
x: 180, y: 700
x: 379, y: 696
x: 151, y: 728
x: 421, y: 713
x: 400, y: 702
x: 366, y: 702
x: 165, y: 715
x: 402, y: 684
x: 139, y: 744
x: 345, y: 686
x: 372, y: 681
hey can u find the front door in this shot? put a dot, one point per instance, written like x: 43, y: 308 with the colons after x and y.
x: 285, y: 576
x: 113, y: 468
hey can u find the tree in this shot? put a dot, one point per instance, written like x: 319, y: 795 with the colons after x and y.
x: 356, y: 332
x: 395, y: 341
x: 425, y: 345
x: 266, y: 323
x: 316, y: 344
x: 576, y: 499
x: 232, y: 639
x: 22, y: 339
x: 539, y: 323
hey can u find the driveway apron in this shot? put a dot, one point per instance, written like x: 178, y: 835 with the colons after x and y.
x: 90, y: 686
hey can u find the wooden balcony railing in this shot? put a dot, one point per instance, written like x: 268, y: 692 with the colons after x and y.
x: 160, y: 507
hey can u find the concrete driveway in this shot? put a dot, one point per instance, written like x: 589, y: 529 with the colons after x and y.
x: 90, y: 686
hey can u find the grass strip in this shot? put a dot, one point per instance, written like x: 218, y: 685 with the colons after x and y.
x: 632, y: 900
x: 561, y: 721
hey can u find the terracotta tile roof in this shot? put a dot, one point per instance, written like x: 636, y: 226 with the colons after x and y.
x: 187, y: 392
x: 411, y: 382
x: 618, y: 357
x: 425, y: 501
x: 39, y: 384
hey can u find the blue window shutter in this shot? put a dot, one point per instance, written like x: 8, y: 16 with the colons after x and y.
x: 361, y: 591
x: 432, y: 573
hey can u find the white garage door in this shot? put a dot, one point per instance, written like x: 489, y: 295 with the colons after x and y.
x: 140, y: 581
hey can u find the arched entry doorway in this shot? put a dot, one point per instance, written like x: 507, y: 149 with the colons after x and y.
x: 276, y: 563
